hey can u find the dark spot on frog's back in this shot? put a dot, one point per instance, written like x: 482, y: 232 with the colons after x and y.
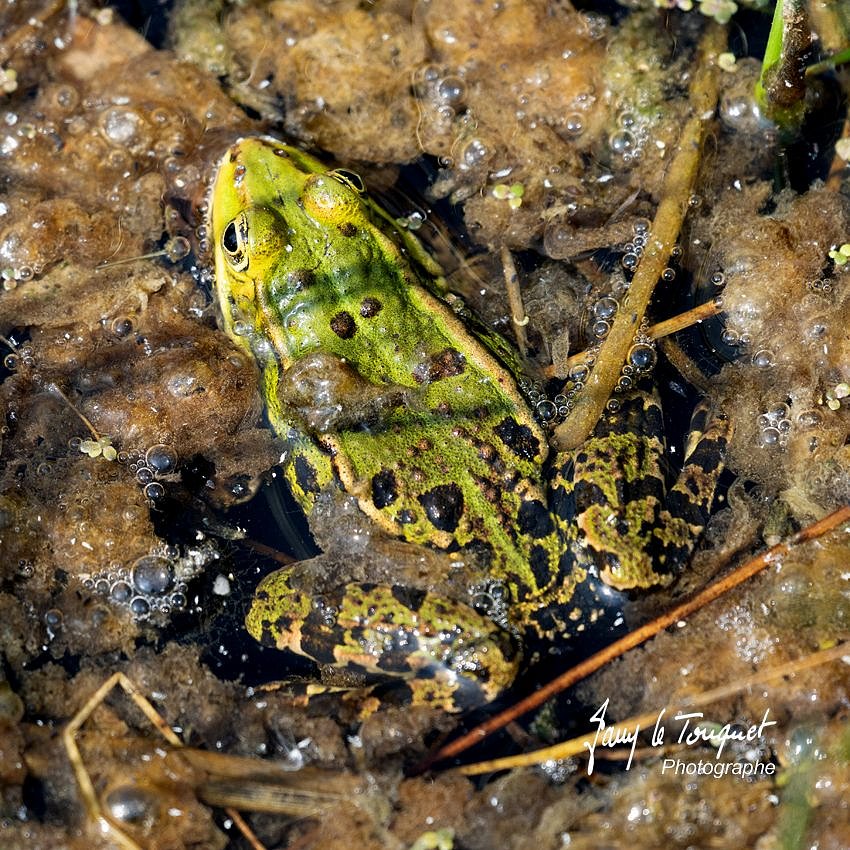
x: 447, y: 363
x: 518, y: 438
x: 342, y: 324
x: 384, y: 488
x: 370, y: 307
x: 410, y: 597
x: 305, y: 475
x: 443, y: 506
x: 535, y: 520
x: 348, y: 229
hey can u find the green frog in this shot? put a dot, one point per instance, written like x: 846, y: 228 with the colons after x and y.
x: 383, y: 387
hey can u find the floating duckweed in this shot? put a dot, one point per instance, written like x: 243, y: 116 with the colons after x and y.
x: 841, y: 390
x: 152, y: 574
x: 840, y: 255
x: 161, y: 459
x: 763, y: 359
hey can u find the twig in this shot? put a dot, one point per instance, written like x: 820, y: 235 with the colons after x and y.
x: 576, y: 746
x: 665, y: 230
x: 637, y: 637
x: 520, y: 319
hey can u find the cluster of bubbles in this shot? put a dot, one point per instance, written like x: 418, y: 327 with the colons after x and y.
x: 819, y: 285
x: 11, y: 277
x: 775, y: 424
x: 149, y: 586
x: 22, y: 356
x: 158, y: 461
x: 550, y: 411
x: 629, y: 140
x: 633, y: 251
x: 492, y: 599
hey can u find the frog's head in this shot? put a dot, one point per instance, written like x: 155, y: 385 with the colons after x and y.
x: 276, y: 215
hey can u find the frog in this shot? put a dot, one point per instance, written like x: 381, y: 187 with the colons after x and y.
x: 383, y: 386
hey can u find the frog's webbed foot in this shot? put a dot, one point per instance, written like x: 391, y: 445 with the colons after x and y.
x: 636, y: 534
x: 449, y: 655
x: 325, y: 394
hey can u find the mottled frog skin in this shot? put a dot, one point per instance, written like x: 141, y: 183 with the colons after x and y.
x: 380, y: 387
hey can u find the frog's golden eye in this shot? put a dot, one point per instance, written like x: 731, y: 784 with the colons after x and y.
x: 233, y: 242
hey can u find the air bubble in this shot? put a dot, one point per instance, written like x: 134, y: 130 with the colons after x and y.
x: 770, y: 437
x: 668, y: 274
x: 140, y: 606
x: 451, y: 90
x: 53, y: 619
x: 122, y: 326
x: 605, y: 308
x: 613, y: 405
x: 600, y: 328
x: 161, y: 459
x: 624, y: 383
x: 546, y: 410
x: 144, y: 475
x: 152, y: 574
x: 120, y: 592
x: 474, y: 153
x: 131, y: 804
x: 718, y: 279
x: 629, y: 261
x: 622, y: 142
x: 642, y: 356
x: 11, y: 362
x: 763, y: 359
x: 730, y: 337
x: 154, y: 491
x: 574, y: 124
x: 579, y: 372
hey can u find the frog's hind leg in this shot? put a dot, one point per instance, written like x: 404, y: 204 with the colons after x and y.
x: 690, y: 498
x: 612, y: 490
x: 447, y: 654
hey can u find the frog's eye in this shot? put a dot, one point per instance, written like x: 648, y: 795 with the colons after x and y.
x: 233, y: 242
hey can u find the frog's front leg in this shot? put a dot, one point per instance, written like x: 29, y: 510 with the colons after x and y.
x: 449, y: 655
x: 636, y: 532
